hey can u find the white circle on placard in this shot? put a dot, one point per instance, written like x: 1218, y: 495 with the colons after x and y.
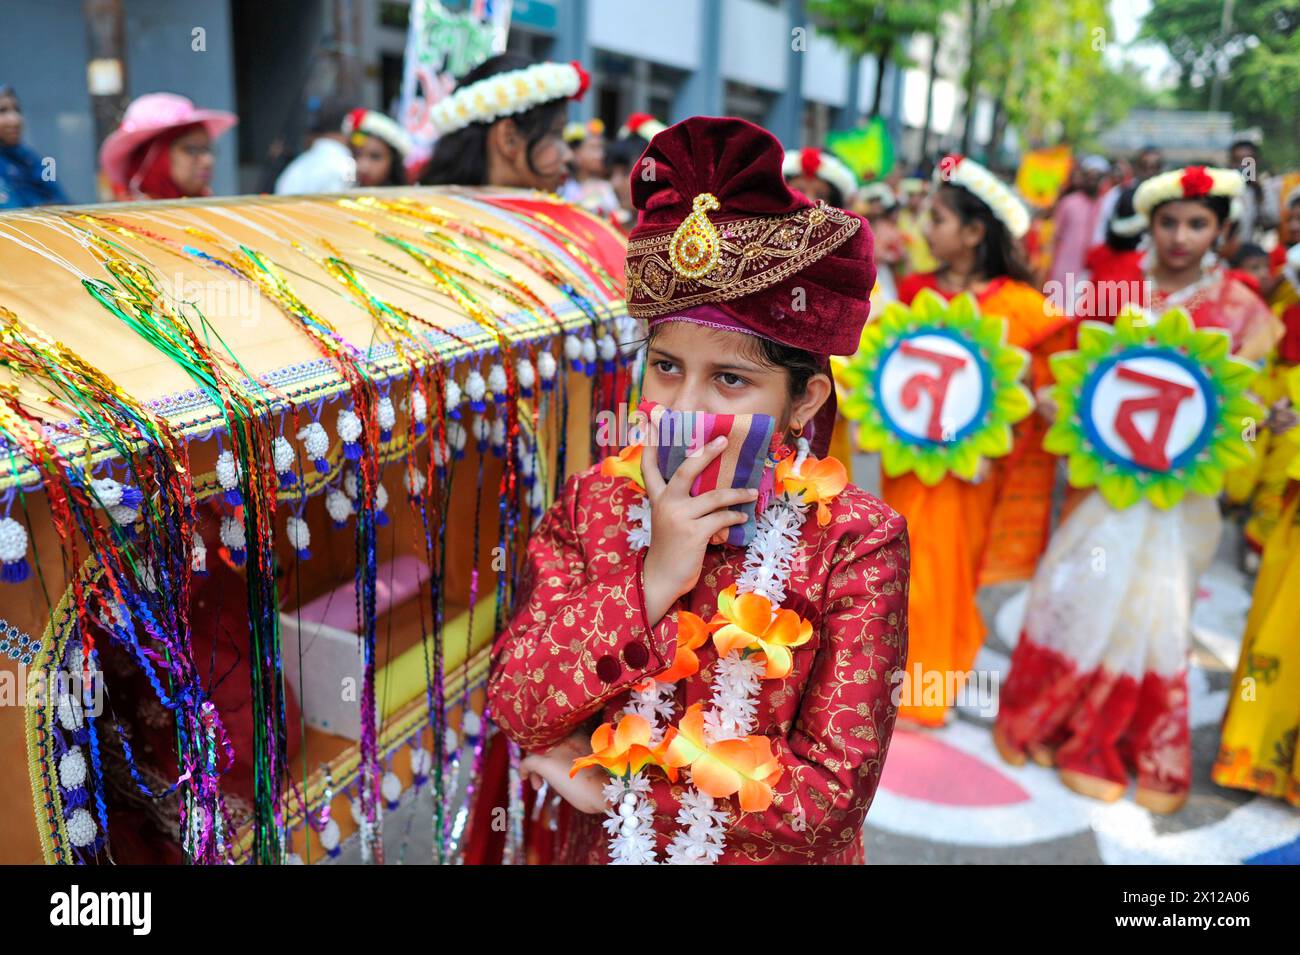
x: 962, y: 400
x: 1110, y: 390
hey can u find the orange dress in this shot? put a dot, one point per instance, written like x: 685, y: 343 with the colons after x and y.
x: 963, y: 534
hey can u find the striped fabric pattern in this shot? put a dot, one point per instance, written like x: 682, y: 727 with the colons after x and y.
x: 675, y: 434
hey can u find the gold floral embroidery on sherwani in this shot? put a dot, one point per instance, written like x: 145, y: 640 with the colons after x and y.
x: 579, y: 641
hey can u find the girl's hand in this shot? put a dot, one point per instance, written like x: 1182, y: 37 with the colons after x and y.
x: 682, y: 526
x: 1281, y: 417
x: 585, y: 791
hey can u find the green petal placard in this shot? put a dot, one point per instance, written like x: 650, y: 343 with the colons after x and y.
x: 1151, y: 409
x: 935, y: 387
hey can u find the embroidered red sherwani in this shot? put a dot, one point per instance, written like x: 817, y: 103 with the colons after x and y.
x: 580, y: 640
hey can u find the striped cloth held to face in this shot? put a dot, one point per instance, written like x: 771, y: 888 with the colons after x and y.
x: 673, y: 435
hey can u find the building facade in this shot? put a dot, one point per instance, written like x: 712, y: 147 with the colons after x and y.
x: 270, y: 60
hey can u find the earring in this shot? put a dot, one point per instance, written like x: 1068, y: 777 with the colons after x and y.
x: 801, y: 445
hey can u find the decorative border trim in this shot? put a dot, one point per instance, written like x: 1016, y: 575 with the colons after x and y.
x: 742, y: 267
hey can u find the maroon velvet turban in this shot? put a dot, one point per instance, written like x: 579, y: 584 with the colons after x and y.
x: 787, y: 268
x: 722, y: 234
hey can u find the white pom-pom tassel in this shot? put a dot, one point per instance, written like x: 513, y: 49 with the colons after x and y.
x: 454, y: 396
x: 349, y: 428
x: 72, y: 769
x: 476, y: 390
x: 391, y: 788
x: 628, y: 331
x: 421, y: 764
x: 482, y: 431
x: 329, y: 838
x: 498, y: 436
x: 110, y: 493
x: 228, y: 475
x: 456, y: 438
x: 381, y: 502
x: 123, y: 516
x: 232, y: 536
x: 497, y: 383
x: 14, y: 568
x: 299, y: 536
x: 414, y: 482
x: 338, y: 506
x: 350, y: 484
x: 386, y: 415
x: 70, y: 712
x: 608, y: 351
x: 316, y: 442
x: 419, y: 412
x: 284, y: 457
x: 471, y: 724
x: 573, y: 351
x: 546, y: 367
x: 81, y: 828
x: 526, y: 377
x: 588, y: 356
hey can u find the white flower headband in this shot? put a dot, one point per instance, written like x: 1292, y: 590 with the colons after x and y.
x: 988, y: 188
x: 819, y: 164
x: 368, y: 122
x: 1192, y: 182
x: 508, y: 94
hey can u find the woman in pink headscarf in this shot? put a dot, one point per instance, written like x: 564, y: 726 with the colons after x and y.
x: 163, y: 148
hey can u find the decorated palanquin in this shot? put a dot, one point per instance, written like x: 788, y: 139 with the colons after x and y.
x: 267, y: 468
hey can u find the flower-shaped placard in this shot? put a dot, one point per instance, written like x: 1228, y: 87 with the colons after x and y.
x: 1152, y: 408
x: 935, y: 387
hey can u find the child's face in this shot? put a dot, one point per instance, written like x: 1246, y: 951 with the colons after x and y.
x: 1257, y: 266
x: 1293, y: 222
x: 947, y: 236
x: 693, y: 367
x: 1183, y: 232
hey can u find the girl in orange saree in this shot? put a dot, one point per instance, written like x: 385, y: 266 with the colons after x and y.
x: 965, y: 534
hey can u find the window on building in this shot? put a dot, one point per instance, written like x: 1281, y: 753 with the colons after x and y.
x: 535, y: 46
x: 625, y: 85
x: 748, y: 102
x: 390, y: 82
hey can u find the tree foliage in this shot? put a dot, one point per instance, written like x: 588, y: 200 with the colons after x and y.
x: 1258, y: 59
x: 877, y: 29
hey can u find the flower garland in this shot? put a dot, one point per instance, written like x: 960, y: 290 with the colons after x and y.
x: 754, y: 639
x: 508, y: 94
x: 1191, y: 182
x: 983, y: 185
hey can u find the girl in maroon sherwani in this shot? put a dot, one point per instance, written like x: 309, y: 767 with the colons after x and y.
x: 745, y: 304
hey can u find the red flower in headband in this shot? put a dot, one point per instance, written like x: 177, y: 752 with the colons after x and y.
x: 811, y: 160
x: 584, y: 80
x: 1196, y: 182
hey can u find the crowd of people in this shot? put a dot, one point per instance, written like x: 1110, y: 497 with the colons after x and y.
x: 1098, y: 682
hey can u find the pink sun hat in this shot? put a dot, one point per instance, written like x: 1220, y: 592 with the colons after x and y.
x: 145, y: 118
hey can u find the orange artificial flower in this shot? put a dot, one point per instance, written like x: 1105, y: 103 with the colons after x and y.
x: 622, y: 750
x: 817, y: 482
x: 627, y: 464
x: 722, y: 769
x: 692, y: 633
x: 746, y: 621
